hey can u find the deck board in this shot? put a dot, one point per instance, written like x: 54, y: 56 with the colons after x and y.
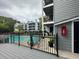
x: 12, y: 51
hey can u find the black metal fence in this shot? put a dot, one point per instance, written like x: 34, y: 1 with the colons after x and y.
x: 36, y: 41
x: 47, y: 44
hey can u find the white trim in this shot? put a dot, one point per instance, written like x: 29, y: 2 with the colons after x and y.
x: 67, y: 21
x: 48, y: 5
x: 49, y: 22
x: 54, y: 31
x: 72, y: 30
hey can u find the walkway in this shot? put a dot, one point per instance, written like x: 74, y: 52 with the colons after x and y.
x: 11, y: 51
x: 68, y: 55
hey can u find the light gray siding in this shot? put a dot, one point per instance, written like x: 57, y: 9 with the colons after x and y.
x: 64, y: 9
x: 65, y: 43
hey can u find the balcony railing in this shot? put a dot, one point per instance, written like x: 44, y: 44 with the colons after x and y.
x: 46, y: 2
x: 47, y: 19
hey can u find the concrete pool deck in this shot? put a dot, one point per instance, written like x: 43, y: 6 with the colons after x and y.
x: 12, y: 51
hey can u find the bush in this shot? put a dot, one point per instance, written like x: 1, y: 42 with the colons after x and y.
x: 51, y: 41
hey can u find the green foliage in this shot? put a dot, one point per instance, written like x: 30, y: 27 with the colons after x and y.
x: 51, y: 41
x: 7, y: 24
x: 20, y: 27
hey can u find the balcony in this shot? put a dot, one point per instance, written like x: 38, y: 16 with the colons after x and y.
x: 46, y: 2
x: 47, y: 20
x: 49, y: 11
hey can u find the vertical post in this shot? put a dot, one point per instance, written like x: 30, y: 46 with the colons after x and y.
x: 14, y: 38
x: 42, y: 20
x: 31, y: 40
x: 57, y: 44
x: 18, y: 39
x: 72, y: 36
x: 11, y: 38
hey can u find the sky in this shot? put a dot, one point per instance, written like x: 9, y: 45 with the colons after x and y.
x: 21, y: 10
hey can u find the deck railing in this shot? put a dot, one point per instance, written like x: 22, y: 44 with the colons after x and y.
x: 46, y: 2
x: 36, y: 41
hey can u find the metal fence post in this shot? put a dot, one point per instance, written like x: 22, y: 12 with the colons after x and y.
x: 57, y: 44
x: 31, y: 40
x: 11, y: 37
x: 19, y: 39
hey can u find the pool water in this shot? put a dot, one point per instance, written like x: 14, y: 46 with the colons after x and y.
x: 36, y: 38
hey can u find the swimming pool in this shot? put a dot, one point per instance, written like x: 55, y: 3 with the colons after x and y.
x: 24, y: 38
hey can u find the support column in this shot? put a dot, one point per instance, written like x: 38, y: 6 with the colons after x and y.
x: 72, y: 30
x: 42, y: 20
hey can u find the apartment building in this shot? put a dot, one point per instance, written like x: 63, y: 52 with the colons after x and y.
x: 32, y: 26
x: 66, y: 22
x: 62, y: 17
x: 48, y: 13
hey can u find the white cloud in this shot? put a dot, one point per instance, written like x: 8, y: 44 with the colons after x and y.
x: 22, y: 10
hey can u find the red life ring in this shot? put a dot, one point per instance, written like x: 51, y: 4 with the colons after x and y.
x: 64, y: 30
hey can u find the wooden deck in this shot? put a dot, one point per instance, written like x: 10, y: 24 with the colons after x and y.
x: 12, y: 51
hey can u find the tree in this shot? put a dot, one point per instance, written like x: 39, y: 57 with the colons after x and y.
x: 7, y: 24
